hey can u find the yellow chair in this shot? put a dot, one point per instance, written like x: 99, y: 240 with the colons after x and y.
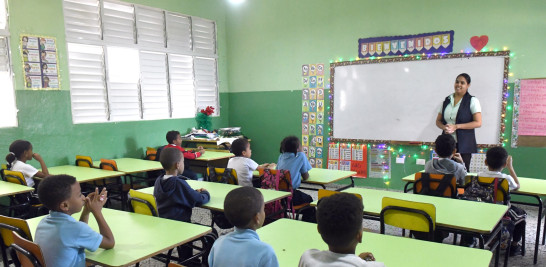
x: 14, y: 177
x: 84, y: 161
x: 322, y: 193
x: 411, y: 215
x: 219, y: 175
x: 142, y: 203
x: 28, y: 252
x: 28, y: 203
x: 7, y: 225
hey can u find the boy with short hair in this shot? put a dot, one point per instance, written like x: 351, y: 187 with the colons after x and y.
x: 339, y: 219
x: 450, y: 162
x: 174, y: 196
x: 244, y: 208
x: 496, y: 160
x: 63, y: 240
x: 242, y: 163
x: 174, y: 139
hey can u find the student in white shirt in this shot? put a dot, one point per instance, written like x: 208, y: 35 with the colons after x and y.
x: 20, y: 151
x: 339, y: 219
x: 242, y: 163
x: 496, y: 160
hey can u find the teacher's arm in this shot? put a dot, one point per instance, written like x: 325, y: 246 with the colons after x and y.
x: 439, y: 122
x: 475, y: 123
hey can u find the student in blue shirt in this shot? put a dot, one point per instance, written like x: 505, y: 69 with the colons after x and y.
x: 294, y: 160
x: 244, y: 208
x: 63, y: 240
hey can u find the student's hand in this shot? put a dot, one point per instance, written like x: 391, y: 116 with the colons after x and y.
x: 202, y: 151
x: 37, y: 156
x: 509, y: 162
x: 367, y: 256
x: 457, y: 157
x: 200, y: 148
x: 96, y: 201
x: 201, y: 190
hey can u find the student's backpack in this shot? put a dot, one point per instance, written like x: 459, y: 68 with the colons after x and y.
x: 476, y: 190
x: 277, y: 180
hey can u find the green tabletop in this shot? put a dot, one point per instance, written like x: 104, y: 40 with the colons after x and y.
x: 477, y: 217
x: 326, y: 176
x: 137, y: 236
x: 83, y: 174
x: 218, y: 192
x: 8, y: 189
x: 214, y: 155
x: 290, y: 238
x: 130, y: 165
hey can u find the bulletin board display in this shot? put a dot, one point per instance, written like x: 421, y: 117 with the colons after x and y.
x: 312, y: 126
x: 529, y: 113
x: 398, y: 99
x: 40, y: 62
x: 348, y: 157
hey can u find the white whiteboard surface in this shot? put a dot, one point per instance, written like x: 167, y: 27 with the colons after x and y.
x: 399, y: 101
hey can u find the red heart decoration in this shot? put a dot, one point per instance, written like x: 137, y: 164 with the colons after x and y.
x: 479, y: 42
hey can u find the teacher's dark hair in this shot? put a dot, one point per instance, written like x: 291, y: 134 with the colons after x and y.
x: 465, y: 76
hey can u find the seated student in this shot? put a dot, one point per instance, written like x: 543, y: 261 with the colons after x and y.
x: 174, y: 196
x: 294, y: 160
x: 244, y: 208
x: 20, y: 151
x: 242, y: 163
x: 496, y: 160
x: 339, y: 222
x: 175, y: 140
x: 450, y: 162
x: 63, y: 240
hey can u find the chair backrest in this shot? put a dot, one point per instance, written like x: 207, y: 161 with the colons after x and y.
x: 28, y: 252
x: 440, y: 185
x: 143, y: 203
x: 219, y: 175
x: 158, y: 152
x: 322, y: 193
x: 488, y: 185
x: 9, y: 224
x: 151, y: 153
x: 171, y: 264
x: 84, y: 161
x: 14, y: 177
x: 411, y: 215
x: 108, y: 164
x: 3, y: 166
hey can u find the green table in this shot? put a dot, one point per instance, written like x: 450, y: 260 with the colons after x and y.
x: 219, y: 191
x: 529, y: 187
x: 84, y: 174
x: 290, y: 238
x: 209, y: 159
x: 130, y: 165
x: 323, y: 177
x: 137, y: 236
x: 9, y: 189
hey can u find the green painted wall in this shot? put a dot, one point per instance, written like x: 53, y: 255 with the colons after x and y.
x: 45, y: 116
x: 268, y: 41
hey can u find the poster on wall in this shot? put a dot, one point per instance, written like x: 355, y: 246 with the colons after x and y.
x: 380, y: 163
x: 40, y: 68
x: 348, y: 157
x: 312, y: 107
x: 428, y: 43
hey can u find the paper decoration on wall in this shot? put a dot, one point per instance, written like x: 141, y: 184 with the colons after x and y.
x: 348, y: 157
x: 380, y: 163
x: 39, y: 54
x: 479, y: 42
x: 435, y: 42
x: 477, y: 163
x: 531, y: 116
x: 312, y: 108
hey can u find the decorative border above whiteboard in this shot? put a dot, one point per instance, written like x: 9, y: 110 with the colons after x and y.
x: 505, y: 54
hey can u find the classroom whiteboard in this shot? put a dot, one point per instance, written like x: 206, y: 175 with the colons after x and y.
x: 398, y: 99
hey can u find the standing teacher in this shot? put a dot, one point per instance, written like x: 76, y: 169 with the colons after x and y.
x: 460, y: 114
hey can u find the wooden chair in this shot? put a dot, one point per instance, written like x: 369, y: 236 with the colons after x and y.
x: 219, y: 175
x: 441, y: 185
x: 410, y: 215
x: 8, y: 225
x: 28, y: 252
x: 116, y: 189
x: 24, y: 205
